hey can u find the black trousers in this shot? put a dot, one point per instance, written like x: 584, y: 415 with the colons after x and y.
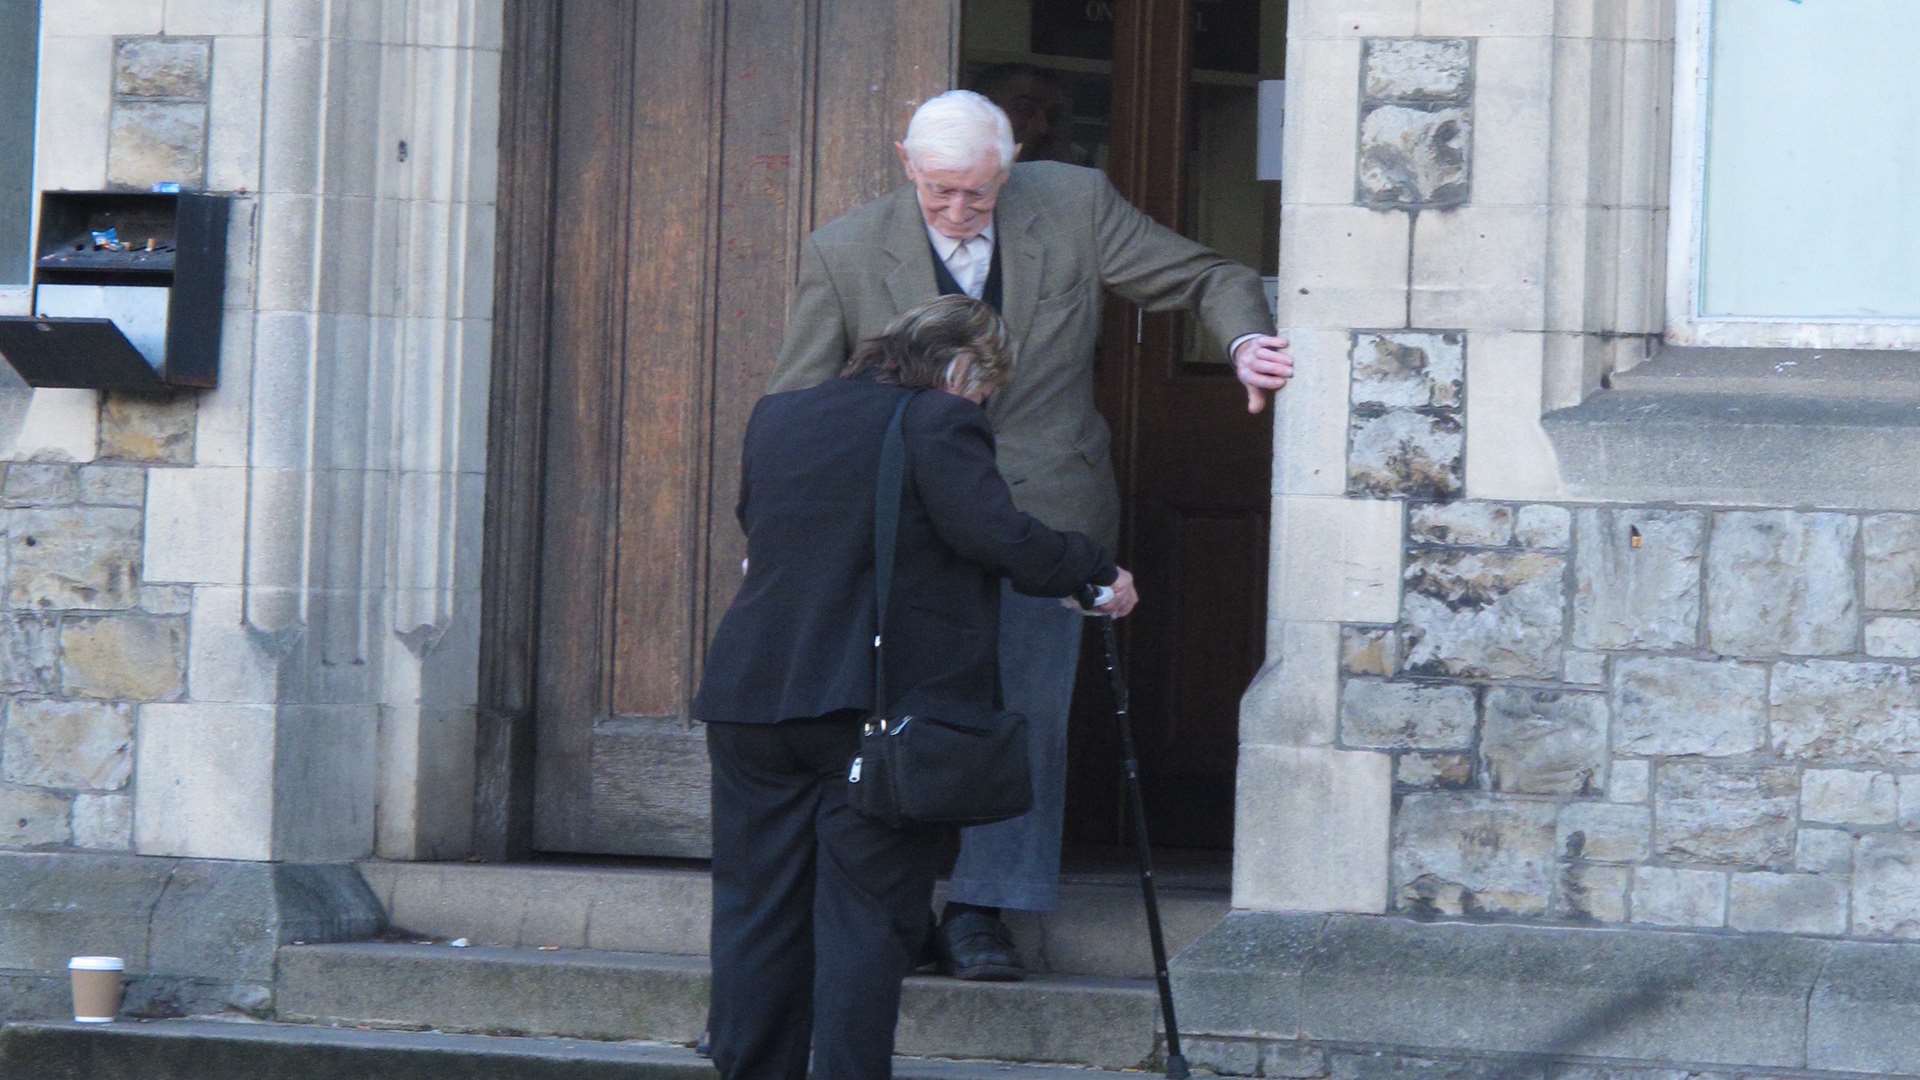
x: 818, y: 912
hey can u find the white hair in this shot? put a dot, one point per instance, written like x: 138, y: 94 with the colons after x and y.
x: 956, y: 130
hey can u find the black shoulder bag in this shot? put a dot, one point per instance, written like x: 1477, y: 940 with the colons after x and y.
x: 929, y: 761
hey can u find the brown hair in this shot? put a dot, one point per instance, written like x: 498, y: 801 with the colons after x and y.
x: 919, y: 348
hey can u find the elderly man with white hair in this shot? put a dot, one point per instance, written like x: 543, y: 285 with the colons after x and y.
x: 1040, y: 242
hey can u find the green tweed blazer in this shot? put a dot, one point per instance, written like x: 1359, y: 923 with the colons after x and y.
x: 1064, y: 235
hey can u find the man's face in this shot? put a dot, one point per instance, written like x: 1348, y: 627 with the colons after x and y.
x: 957, y: 203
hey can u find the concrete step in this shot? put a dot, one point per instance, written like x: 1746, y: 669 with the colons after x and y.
x: 1100, y: 929
x: 220, y: 1050
x: 1076, y: 1020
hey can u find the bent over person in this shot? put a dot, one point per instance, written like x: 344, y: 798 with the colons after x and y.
x: 1038, y: 241
x: 818, y: 910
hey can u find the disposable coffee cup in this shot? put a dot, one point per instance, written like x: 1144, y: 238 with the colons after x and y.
x: 98, y: 982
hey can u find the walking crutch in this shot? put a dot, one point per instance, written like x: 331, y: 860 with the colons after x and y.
x: 1117, y: 679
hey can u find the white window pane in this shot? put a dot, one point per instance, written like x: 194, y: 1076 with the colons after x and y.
x: 1812, y: 197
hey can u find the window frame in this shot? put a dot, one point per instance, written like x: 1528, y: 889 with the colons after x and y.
x: 1692, y: 55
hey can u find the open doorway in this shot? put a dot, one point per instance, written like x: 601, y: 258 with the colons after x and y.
x: 1162, y: 95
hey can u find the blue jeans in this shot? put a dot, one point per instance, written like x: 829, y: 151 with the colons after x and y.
x: 1016, y: 863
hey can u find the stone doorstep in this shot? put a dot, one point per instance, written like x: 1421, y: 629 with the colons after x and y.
x: 221, y: 1050
x: 1100, y: 928
x: 1076, y: 1020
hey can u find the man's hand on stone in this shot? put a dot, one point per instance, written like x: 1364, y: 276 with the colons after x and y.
x: 1262, y: 364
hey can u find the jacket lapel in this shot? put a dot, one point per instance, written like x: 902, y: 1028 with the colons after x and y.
x: 910, y: 281
x: 1023, y: 259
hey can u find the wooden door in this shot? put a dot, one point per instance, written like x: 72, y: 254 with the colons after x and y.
x: 669, y: 155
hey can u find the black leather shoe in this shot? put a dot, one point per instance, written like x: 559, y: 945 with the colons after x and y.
x: 978, y: 947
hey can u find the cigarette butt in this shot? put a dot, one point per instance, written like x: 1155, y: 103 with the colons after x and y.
x: 149, y: 243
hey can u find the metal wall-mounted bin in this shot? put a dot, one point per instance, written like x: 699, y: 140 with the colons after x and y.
x: 127, y: 292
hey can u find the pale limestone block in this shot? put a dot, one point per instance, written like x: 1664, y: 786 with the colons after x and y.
x: 228, y: 660
x: 1787, y: 904
x: 29, y: 651
x: 1380, y: 715
x: 1639, y: 253
x: 1586, y: 668
x: 349, y: 419
x: 284, y: 345
x: 72, y: 149
x: 476, y: 385
x: 1512, y: 99
x: 234, y: 120
x: 1547, y: 742
x: 243, y: 219
x: 1509, y: 456
x: 1590, y: 893
x: 1835, y: 712
x: 488, y: 25
x: 220, y: 431
x: 1782, y: 582
x: 1352, y: 18
x: 59, y: 425
x: 1886, y: 886
x: 103, y: 822
x: 1637, y: 578
x: 426, y: 777
x: 125, y: 657
x: 436, y: 72
x: 289, y: 229
x: 1847, y: 797
x: 1417, y: 69
x: 1580, y: 275
x: 449, y: 669
x: 291, y: 146
x: 1336, y: 560
x: 1310, y: 417
x: 1665, y: 897
x: 68, y: 744
x: 479, y: 178
x: 1604, y: 832
x: 216, y: 17
x: 276, y: 525
x: 351, y: 510
x: 1546, y: 528
x: 206, y: 785
x: 368, y: 20
x: 1370, y: 650
x: 1572, y: 150
x: 1891, y: 546
x: 353, y: 144
x: 1343, y: 266
x: 166, y: 599
x: 1486, y: 18
x: 1648, y: 20
x: 24, y: 483
x: 1461, y: 524
x: 1646, y: 79
x: 30, y: 817
x: 1480, y: 267
x: 1323, y: 112
x: 1457, y: 853
x: 104, y: 17
x: 1628, y: 781
x: 195, y: 526
x: 1295, y: 698
x: 297, y: 18
x: 162, y: 68
x: 1895, y: 637
x: 325, y: 782
x: 1731, y: 815
x: 1311, y: 829
x: 112, y: 485
x: 155, y: 142
x: 158, y: 430
x: 1824, y: 851
x: 1575, y: 18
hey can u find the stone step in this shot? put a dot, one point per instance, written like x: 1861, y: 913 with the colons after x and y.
x: 221, y: 1050
x: 1076, y: 1020
x: 1100, y: 929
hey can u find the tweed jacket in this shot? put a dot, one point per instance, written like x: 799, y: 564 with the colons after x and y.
x: 1064, y: 234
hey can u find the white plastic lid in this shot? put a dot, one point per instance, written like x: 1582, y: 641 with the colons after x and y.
x: 97, y: 963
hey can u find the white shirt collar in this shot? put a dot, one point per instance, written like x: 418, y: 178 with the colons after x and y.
x: 944, y: 246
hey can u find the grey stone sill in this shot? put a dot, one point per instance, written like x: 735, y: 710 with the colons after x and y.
x: 1760, y: 427
x: 1667, y: 997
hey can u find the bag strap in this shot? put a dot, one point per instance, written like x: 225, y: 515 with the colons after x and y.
x: 886, y: 530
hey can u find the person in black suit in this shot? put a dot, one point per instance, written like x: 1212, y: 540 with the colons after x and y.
x: 818, y: 911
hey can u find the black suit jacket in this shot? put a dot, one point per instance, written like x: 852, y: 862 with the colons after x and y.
x: 798, y: 640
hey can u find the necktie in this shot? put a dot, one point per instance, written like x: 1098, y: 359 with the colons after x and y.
x: 963, y: 265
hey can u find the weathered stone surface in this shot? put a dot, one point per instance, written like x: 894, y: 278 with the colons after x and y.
x: 1386, y: 1065
x: 1666, y: 897
x: 1604, y: 832
x: 29, y: 653
x: 1408, y: 369
x: 1586, y: 668
x: 1418, y: 69
x: 113, y: 485
x: 103, y: 822
x: 1672, y: 705
x: 1824, y: 851
x: 68, y: 744
x: 162, y: 68
x: 1891, y: 544
x: 1401, y: 716
x: 1886, y: 885
x: 1484, y: 613
x: 1726, y: 814
x: 166, y: 599
x: 1293, y: 1060
x: 1780, y: 582
x: 148, y: 429
x: 157, y: 141
x: 1609, y: 1072
x: 1637, y: 578
x: 1889, y: 636
x: 74, y: 558
x: 1546, y: 742
x: 33, y: 483
x: 32, y: 816
x: 129, y: 657
x: 1415, y: 156
x: 1461, y: 524
x: 1846, y: 797
x: 1405, y: 453
x: 1627, y: 781
x: 1462, y: 853
x: 1370, y: 650
x: 1590, y: 893
x: 1837, y: 713
x: 1543, y: 526
x: 1787, y: 904
x: 1434, y: 771
x: 1224, y: 1057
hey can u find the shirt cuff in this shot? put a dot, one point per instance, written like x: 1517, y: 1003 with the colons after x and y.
x: 1235, y: 347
